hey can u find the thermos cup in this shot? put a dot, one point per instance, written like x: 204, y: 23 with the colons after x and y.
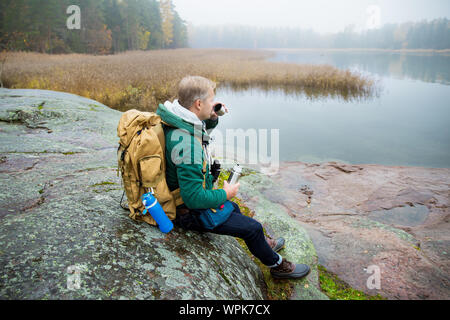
x: 219, y: 109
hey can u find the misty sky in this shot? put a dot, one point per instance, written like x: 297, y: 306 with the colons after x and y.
x: 321, y: 15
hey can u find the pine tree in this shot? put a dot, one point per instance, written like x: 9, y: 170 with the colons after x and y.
x: 180, y: 38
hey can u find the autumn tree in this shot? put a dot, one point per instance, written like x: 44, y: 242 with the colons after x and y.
x: 167, y: 21
x: 107, y: 26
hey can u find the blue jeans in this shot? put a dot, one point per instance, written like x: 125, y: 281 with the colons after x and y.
x: 237, y: 225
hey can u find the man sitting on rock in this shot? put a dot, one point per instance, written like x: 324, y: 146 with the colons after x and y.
x: 193, y: 112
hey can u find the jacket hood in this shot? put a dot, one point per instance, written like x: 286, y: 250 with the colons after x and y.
x: 179, y: 117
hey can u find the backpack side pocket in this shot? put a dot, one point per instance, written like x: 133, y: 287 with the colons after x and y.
x: 150, y: 170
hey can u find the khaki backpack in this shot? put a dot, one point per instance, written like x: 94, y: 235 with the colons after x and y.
x: 141, y: 162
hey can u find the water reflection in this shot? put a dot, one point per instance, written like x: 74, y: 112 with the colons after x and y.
x: 311, y: 93
x: 427, y: 67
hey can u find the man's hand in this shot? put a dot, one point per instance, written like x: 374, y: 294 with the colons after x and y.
x: 230, y: 189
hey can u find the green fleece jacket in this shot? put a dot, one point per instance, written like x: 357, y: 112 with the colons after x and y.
x: 184, y: 161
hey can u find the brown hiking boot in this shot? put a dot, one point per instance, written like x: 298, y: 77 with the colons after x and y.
x: 277, y: 244
x: 289, y: 270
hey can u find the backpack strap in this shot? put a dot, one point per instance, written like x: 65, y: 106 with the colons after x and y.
x: 177, y: 197
x: 166, y: 124
x: 204, y: 173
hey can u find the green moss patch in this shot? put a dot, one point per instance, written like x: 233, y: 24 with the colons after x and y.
x: 104, y: 183
x: 336, y: 289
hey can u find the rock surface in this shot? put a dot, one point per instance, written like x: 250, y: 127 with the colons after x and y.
x: 393, y: 217
x: 60, y: 217
x: 274, y: 217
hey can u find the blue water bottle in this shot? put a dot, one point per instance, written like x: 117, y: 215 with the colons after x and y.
x: 156, y: 211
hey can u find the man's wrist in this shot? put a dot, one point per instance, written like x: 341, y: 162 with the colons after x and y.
x: 226, y: 194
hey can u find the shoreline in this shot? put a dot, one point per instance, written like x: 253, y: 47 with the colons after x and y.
x: 268, y: 171
x: 399, y: 166
x: 444, y: 51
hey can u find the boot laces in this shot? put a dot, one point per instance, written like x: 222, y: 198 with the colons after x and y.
x: 285, y: 266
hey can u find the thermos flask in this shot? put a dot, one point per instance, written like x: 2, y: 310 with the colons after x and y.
x: 235, y: 174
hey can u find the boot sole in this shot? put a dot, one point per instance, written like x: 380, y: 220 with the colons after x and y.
x: 290, y: 275
x: 278, y: 249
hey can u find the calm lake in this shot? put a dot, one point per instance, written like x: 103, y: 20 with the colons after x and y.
x: 407, y: 123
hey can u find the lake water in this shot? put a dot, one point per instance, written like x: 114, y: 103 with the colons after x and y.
x: 407, y: 123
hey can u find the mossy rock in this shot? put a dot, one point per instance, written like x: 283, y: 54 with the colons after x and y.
x: 60, y: 216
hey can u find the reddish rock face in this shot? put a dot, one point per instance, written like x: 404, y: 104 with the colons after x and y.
x: 393, y: 217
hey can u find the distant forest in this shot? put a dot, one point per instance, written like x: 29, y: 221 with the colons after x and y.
x: 107, y: 26
x: 113, y: 26
x: 433, y: 34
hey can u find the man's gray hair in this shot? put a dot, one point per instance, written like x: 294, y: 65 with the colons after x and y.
x: 192, y: 88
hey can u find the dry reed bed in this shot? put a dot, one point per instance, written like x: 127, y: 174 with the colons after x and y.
x: 141, y: 79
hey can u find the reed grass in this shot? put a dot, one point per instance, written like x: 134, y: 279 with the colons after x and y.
x: 142, y: 79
